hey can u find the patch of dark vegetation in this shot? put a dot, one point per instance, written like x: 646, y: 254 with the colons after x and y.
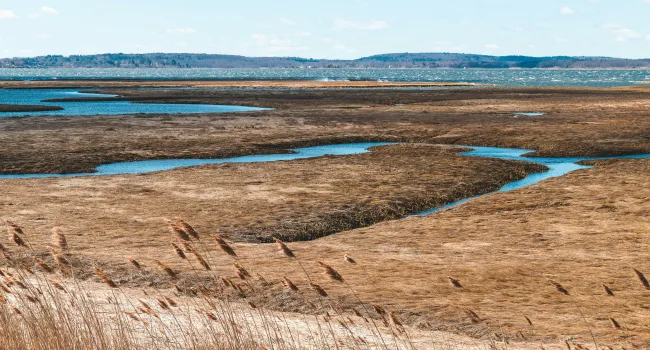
x: 28, y: 108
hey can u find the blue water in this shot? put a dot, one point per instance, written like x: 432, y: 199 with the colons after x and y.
x: 35, y: 96
x: 148, y: 166
x: 557, y: 167
x: 503, y: 77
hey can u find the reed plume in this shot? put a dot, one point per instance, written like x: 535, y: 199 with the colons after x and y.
x: 290, y: 285
x: 224, y: 245
x: 167, y: 269
x: 187, y: 228
x: 473, y: 316
x: 348, y: 259
x: 178, y: 232
x: 283, y: 247
x: 16, y: 239
x: 201, y: 260
x: 135, y: 263
x: 559, y: 288
x: 14, y: 226
x: 171, y: 301
x: 330, y: 272
x: 104, y: 278
x: 178, y: 251
x: 615, y: 323
x: 454, y: 282
x: 58, y: 239
x: 530, y: 323
x: 607, y: 290
x: 42, y: 265
x: 642, y: 279
x: 318, y: 289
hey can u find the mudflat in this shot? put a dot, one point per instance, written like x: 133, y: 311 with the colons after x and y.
x: 585, y: 122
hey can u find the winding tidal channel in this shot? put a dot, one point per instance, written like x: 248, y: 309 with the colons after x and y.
x: 556, y: 166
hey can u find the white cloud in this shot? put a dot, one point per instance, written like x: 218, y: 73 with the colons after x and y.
x: 305, y: 34
x: 566, y: 11
x: 276, y: 44
x: 183, y: 31
x: 492, y: 46
x: 623, y: 34
x: 8, y: 14
x: 49, y: 10
x: 359, y: 25
x: 42, y: 36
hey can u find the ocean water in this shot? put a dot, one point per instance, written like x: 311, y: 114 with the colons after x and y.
x: 36, y: 96
x: 502, y: 77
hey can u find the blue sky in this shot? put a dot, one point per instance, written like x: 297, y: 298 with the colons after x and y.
x: 326, y: 29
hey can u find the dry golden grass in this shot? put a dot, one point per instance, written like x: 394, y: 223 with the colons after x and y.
x: 294, y: 200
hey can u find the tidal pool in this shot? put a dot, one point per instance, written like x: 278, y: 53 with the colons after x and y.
x: 36, y: 96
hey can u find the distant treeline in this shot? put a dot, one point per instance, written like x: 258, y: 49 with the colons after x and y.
x: 392, y: 60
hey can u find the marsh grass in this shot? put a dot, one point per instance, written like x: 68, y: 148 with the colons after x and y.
x: 47, y: 302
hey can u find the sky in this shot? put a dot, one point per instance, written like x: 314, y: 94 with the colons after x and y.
x: 343, y: 29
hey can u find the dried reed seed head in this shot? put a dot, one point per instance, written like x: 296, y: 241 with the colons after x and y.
x: 132, y: 315
x: 615, y: 323
x: 178, y: 251
x: 135, y: 263
x: 201, y: 261
x: 187, y: 228
x: 16, y: 310
x: 290, y: 285
x: 284, y: 248
x: 15, y: 227
x: 378, y: 309
x: 473, y: 316
x: 224, y: 245
x: 167, y: 269
x: 348, y: 259
x: 171, y: 301
x: 5, y: 289
x: 241, y: 270
x: 42, y: 265
x: 253, y: 306
x: 58, y: 285
x: 318, y: 289
x: 607, y: 290
x: 330, y: 272
x: 178, y: 232
x: 58, y: 239
x: 163, y: 304
x: 530, y: 323
x: 454, y: 282
x: 60, y: 259
x: 559, y: 288
x: 188, y: 247
x: 32, y: 299
x: 393, y: 318
x: 642, y: 279
x: 16, y: 239
x: 104, y: 278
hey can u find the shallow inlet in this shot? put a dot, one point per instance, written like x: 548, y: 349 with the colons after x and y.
x: 557, y: 166
x: 36, y: 96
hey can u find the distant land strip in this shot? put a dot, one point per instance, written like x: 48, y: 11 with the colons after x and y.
x: 226, y: 84
x: 390, y: 60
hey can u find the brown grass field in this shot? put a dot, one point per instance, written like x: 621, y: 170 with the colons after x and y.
x: 504, y: 251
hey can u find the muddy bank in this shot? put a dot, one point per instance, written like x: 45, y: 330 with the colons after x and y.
x: 28, y: 108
